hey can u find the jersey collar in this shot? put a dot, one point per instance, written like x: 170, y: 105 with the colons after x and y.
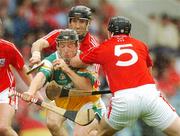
x: 121, y: 35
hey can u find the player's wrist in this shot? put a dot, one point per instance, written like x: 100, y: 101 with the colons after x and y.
x: 30, y: 93
x: 36, y: 54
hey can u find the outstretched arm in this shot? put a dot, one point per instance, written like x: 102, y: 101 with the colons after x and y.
x: 36, y: 84
x: 26, y: 78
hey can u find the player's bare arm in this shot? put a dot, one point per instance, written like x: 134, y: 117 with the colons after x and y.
x: 79, y: 81
x: 36, y: 84
x: 76, y: 62
x: 36, y: 49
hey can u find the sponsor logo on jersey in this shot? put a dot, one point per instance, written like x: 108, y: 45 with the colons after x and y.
x: 62, y: 77
x: 2, y: 62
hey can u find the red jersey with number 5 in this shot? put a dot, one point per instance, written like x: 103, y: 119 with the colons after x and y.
x: 125, y: 62
x: 9, y: 55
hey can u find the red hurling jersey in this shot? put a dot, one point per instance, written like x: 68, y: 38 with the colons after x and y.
x: 125, y: 62
x: 88, y: 42
x: 9, y: 55
x: 51, y: 38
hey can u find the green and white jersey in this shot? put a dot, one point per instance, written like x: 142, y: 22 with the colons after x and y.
x: 61, y: 77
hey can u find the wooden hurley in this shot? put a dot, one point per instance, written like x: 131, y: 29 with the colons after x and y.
x: 35, y: 67
x: 54, y: 91
x: 82, y: 117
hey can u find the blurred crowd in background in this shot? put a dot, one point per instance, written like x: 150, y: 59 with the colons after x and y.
x: 25, y: 21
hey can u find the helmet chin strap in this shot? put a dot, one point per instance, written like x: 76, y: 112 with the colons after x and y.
x: 81, y: 37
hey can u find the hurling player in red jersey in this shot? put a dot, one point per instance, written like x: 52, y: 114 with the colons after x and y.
x: 79, y: 19
x: 127, y: 66
x: 10, y: 57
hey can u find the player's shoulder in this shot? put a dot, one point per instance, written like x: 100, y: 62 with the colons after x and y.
x: 92, y: 39
x: 56, y: 31
x: 7, y: 45
x: 139, y: 43
x: 106, y: 42
x: 137, y: 40
x: 52, y: 33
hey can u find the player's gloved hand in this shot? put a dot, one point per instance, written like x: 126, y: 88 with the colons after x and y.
x: 35, y: 59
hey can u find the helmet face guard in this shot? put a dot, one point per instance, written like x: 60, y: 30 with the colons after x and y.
x: 67, y: 44
x: 119, y: 25
x: 68, y: 35
x: 81, y: 12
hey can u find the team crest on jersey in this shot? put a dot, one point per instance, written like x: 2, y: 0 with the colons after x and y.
x: 62, y: 76
x: 2, y: 62
x: 69, y: 86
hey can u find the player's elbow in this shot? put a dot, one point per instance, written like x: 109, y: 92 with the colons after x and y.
x: 86, y: 85
x: 39, y: 45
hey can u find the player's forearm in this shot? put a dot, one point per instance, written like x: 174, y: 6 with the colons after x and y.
x: 37, y: 83
x: 39, y: 45
x: 79, y: 81
x: 77, y: 62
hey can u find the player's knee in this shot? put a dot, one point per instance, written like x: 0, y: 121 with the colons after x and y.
x: 93, y: 133
x: 174, y: 128
x: 84, y: 130
x: 4, y: 129
x: 53, y: 125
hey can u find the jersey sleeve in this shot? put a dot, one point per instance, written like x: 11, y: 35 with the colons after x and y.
x: 51, y: 37
x: 17, y: 59
x: 91, y: 56
x: 47, y: 69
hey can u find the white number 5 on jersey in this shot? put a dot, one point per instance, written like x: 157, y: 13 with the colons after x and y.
x: 119, y: 51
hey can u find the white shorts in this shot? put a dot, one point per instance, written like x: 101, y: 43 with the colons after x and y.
x: 13, y: 101
x: 141, y: 102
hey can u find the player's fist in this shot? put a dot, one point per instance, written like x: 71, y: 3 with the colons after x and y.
x: 61, y: 64
x: 27, y: 96
x: 35, y: 59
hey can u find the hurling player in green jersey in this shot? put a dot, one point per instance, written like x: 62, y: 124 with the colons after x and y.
x: 56, y: 68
